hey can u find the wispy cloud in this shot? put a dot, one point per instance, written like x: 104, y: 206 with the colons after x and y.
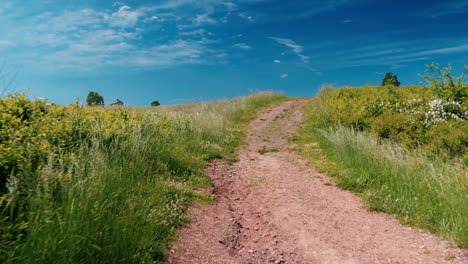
x: 6, y: 43
x: 152, y: 19
x: 297, y: 49
x: 92, y: 37
x: 87, y: 57
x: 203, y: 19
x: 284, y: 76
x: 195, y: 32
x: 448, y: 50
x: 87, y: 38
x: 392, y: 54
x: 316, y: 7
x: 168, y: 33
x: 245, y: 16
x: 241, y: 46
x: 125, y: 17
x: 444, y: 8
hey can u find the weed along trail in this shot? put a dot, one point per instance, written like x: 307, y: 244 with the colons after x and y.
x: 272, y: 207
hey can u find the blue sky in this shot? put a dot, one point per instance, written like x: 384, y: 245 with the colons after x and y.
x: 180, y: 51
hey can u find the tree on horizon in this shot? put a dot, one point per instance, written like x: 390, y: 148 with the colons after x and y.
x: 94, y: 99
x: 390, y: 80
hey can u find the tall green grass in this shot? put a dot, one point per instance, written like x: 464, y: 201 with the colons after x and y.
x: 122, y: 200
x: 424, y: 191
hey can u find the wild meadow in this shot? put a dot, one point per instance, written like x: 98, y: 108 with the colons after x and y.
x: 403, y: 149
x: 107, y: 185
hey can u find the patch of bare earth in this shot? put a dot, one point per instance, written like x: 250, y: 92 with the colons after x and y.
x: 274, y: 208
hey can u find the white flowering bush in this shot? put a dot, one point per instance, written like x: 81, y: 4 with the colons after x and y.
x: 439, y: 111
x: 416, y: 117
x: 429, y: 113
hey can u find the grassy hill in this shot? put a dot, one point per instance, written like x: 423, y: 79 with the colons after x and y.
x: 94, y: 185
x: 403, y: 149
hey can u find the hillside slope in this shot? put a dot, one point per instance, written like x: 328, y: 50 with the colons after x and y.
x: 273, y: 207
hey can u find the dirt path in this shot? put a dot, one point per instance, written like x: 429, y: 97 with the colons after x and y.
x: 274, y: 208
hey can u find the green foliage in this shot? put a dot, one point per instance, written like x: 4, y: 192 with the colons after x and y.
x: 420, y: 190
x: 428, y: 193
x: 390, y: 80
x: 407, y: 115
x: 405, y: 150
x: 94, y: 185
x: 449, y: 87
x: 94, y: 99
x: 451, y: 137
x: 155, y: 103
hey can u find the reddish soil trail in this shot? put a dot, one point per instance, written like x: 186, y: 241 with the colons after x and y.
x: 274, y: 208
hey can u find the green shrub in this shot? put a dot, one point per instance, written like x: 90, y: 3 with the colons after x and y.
x: 404, y: 114
x: 404, y: 149
x: 425, y: 192
x: 421, y: 190
x: 449, y: 87
x: 449, y: 138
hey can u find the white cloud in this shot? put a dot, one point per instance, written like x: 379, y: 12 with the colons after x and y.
x: 393, y: 53
x: 315, y: 7
x: 230, y: 6
x: 221, y: 55
x: 448, y: 50
x: 69, y: 21
x: 151, y: 19
x: 346, y: 21
x: 444, y: 8
x: 198, y: 21
x: 305, y: 59
x: 173, y: 4
x: 122, y: 54
x: 196, y: 32
x: 289, y: 43
x: 118, y: 3
x: 89, y: 39
x: 245, y: 16
x: 175, y: 53
x: 118, y: 35
x: 284, y: 76
x: 203, y: 19
x: 5, y: 43
x: 277, y: 61
x: 124, y: 17
x: 297, y: 49
x: 241, y: 46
